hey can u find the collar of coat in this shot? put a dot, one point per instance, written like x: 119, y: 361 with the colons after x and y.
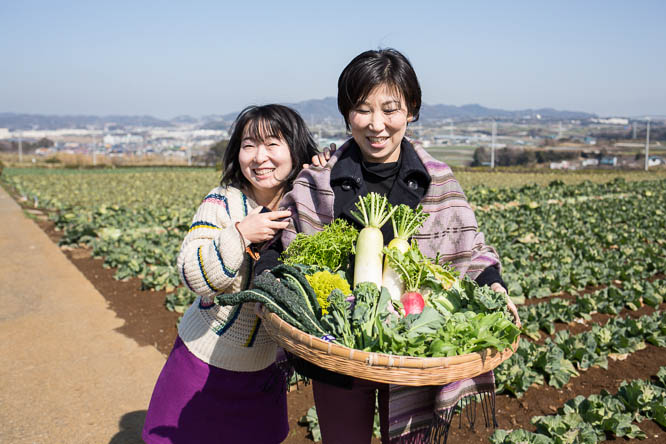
x: 451, y: 229
x: 410, y: 185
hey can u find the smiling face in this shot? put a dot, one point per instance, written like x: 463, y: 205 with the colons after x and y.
x: 378, y: 124
x: 265, y: 163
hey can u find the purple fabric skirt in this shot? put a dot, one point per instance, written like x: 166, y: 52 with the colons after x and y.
x: 194, y: 402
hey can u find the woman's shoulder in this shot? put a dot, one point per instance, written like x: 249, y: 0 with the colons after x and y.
x: 223, y: 192
x: 224, y: 196
x: 431, y: 164
x: 438, y: 170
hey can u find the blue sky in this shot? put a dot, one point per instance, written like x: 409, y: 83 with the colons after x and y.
x: 214, y: 57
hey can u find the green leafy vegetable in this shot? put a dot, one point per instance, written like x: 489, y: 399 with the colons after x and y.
x: 290, y: 297
x: 369, y: 304
x: 410, y: 266
x: 406, y: 221
x: 338, y: 319
x: 296, y: 282
x: 327, y: 249
x: 256, y: 295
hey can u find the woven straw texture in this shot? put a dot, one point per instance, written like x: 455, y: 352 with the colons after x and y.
x: 381, y: 367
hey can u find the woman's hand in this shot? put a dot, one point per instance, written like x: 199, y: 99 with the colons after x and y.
x: 319, y: 160
x: 259, y: 227
x: 496, y: 286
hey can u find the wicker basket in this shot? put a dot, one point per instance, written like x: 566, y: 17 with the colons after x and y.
x: 381, y: 367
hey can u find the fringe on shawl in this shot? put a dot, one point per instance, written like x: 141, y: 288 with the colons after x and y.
x: 477, y: 391
x: 462, y: 397
x: 442, y: 421
x: 438, y: 431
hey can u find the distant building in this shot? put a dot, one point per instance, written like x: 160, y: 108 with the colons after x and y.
x: 44, y: 151
x: 612, y: 121
x: 565, y: 165
x: 608, y: 161
x: 656, y: 160
x: 111, y: 139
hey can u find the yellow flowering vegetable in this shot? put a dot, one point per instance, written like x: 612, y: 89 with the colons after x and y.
x: 323, y: 283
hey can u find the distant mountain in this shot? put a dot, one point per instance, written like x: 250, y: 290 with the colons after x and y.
x: 185, y: 119
x: 326, y: 110
x: 16, y: 121
x: 441, y: 112
x: 313, y: 111
x: 319, y: 110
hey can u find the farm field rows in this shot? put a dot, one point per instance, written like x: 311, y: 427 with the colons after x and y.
x: 585, y: 253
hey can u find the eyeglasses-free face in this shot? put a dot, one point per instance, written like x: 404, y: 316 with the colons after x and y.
x: 378, y: 124
x: 265, y: 163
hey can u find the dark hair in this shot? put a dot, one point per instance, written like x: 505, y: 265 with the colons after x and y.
x: 373, y: 68
x: 263, y: 122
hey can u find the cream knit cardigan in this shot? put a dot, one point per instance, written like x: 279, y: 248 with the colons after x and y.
x: 213, y: 260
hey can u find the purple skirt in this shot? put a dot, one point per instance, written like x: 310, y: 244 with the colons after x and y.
x: 194, y: 402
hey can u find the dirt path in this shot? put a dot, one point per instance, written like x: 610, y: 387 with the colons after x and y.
x: 67, y: 374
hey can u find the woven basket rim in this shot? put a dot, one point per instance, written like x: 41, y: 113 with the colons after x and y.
x: 373, y: 365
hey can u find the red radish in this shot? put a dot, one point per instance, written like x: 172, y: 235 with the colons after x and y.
x: 413, y: 302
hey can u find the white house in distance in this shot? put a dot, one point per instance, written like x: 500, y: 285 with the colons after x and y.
x: 612, y: 121
x: 656, y: 160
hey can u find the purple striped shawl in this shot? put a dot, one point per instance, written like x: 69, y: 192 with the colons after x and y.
x: 416, y: 414
x: 451, y: 229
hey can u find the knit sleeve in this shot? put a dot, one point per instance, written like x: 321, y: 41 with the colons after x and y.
x: 213, y: 249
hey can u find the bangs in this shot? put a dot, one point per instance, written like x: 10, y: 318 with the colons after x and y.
x: 391, y: 87
x: 371, y: 69
x: 261, y: 129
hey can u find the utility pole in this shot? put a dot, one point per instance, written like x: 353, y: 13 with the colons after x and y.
x: 492, y: 145
x: 94, y: 149
x: 20, y: 148
x: 189, y: 151
x: 647, y: 143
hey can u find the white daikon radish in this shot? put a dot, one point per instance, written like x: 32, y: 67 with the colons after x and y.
x: 374, y: 212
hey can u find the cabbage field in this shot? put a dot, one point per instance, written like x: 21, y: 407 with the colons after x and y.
x: 573, y: 247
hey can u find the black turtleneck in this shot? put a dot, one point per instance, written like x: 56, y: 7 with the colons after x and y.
x: 379, y: 177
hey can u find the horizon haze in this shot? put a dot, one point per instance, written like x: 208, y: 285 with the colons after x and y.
x: 167, y: 59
